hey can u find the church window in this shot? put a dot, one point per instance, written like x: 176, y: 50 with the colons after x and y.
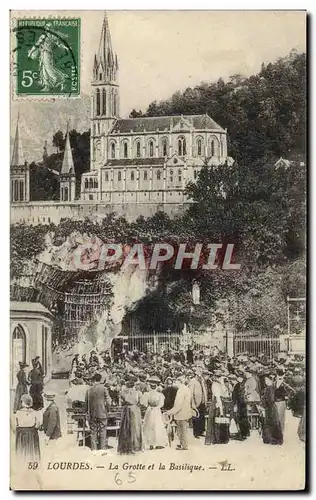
x: 195, y: 174
x: 145, y: 175
x: 66, y: 194
x: 212, y: 148
x: 100, y: 76
x: 132, y: 176
x: 113, y: 150
x: 98, y: 103
x: 106, y: 176
x: 21, y: 191
x: 151, y: 149
x: 138, y: 149
x: 199, y: 147
x: 119, y: 175
x: 95, y: 183
x: 86, y: 184
x: 16, y: 190
x: 158, y: 175
x: 62, y: 194
x: 103, y: 102
x: 90, y: 183
x: 164, y: 147
x: 12, y: 190
x: 125, y: 150
x: 222, y: 149
x: 114, y: 105
x: 179, y: 175
x: 181, y: 147
x: 171, y: 175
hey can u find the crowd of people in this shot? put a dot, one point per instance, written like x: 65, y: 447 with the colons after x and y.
x: 206, y: 392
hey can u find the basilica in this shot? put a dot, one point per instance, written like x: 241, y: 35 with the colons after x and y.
x: 137, y: 166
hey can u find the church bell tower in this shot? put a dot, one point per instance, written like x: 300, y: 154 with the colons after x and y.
x: 104, y: 98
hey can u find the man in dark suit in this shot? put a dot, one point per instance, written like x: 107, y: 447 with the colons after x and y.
x: 98, y: 403
x: 51, y: 419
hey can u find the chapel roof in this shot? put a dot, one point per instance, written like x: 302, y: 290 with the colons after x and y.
x: 163, y: 123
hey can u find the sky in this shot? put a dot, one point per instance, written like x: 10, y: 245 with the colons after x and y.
x: 163, y: 51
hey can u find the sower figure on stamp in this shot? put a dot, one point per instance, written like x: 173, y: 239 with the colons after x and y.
x: 50, y: 76
x: 98, y: 403
x: 182, y: 412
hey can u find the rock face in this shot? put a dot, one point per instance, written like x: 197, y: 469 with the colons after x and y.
x: 39, y: 123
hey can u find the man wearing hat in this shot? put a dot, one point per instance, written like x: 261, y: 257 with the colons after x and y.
x: 51, y: 418
x: 182, y: 412
x: 21, y: 388
x: 199, y: 399
x: 97, y: 407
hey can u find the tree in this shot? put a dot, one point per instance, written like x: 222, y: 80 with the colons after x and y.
x: 59, y: 141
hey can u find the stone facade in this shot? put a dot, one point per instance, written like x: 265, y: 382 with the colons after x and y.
x: 137, y: 165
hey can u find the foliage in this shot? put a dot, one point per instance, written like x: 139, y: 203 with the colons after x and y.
x: 264, y: 113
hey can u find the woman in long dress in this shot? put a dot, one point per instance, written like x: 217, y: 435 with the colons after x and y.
x: 217, y: 431
x: 280, y: 398
x: 271, y: 432
x: 130, y: 439
x: 27, y: 441
x: 240, y: 409
x: 36, y: 380
x: 21, y: 388
x: 155, y: 434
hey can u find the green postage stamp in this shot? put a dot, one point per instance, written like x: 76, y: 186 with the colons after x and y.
x: 47, y: 57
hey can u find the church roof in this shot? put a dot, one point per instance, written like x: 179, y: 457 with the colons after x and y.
x: 18, y: 158
x: 134, y: 162
x: 164, y: 123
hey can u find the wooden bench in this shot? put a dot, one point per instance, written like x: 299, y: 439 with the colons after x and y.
x: 77, y: 422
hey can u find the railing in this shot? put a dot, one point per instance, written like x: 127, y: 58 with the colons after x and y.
x: 256, y: 343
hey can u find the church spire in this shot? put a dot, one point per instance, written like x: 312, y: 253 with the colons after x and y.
x: 18, y: 158
x: 105, y: 61
x: 68, y: 164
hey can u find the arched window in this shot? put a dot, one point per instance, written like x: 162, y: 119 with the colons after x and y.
x: 21, y: 197
x: 106, y: 176
x: 199, y: 147
x: 119, y: 175
x: 18, y: 350
x: 86, y: 184
x: 16, y: 190
x: 164, y: 147
x: 151, y: 149
x: 212, y: 147
x: 114, y: 105
x: 171, y: 175
x: 132, y: 175
x: 181, y: 146
x: 179, y: 175
x: 113, y: 150
x: 158, y: 175
x: 222, y: 148
x: 125, y: 153
x: 90, y: 183
x: 104, y: 102
x: 195, y: 174
x: 138, y: 149
x: 145, y: 175
x: 95, y: 183
x: 66, y: 193
x: 98, y: 110
x: 100, y: 76
x: 62, y: 194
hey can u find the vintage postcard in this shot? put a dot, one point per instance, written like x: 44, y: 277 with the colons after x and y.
x: 158, y: 214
